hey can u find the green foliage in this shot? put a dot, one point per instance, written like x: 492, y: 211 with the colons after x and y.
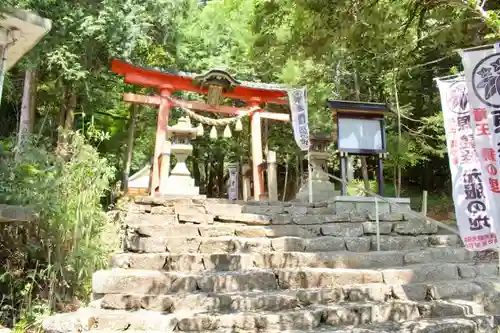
x: 63, y: 248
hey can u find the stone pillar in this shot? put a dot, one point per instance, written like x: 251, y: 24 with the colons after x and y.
x: 246, y: 182
x: 165, y: 167
x: 180, y: 181
x: 272, y: 175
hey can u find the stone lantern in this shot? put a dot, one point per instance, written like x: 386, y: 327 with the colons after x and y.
x: 180, y: 181
x: 323, y: 189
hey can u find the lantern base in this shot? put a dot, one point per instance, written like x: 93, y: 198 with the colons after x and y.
x: 181, y: 185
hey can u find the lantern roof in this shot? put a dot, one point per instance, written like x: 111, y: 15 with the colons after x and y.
x: 366, y: 108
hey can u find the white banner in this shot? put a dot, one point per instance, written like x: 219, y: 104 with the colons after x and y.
x: 481, y: 183
x: 232, y: 191
x: 300, y: 123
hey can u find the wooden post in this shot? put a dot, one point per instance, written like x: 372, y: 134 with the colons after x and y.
x: 257, y: 155
x: 247, y: 192
x: 424, y: 203
x: 380, y: 175
x: 161, y: 137
x: 272, y: 175
x: 343, y: 173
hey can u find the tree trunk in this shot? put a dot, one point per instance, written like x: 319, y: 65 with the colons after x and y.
x: 27, y: 118
x: 364, y: 164
x: 66, y: 119
x: 130, y: 145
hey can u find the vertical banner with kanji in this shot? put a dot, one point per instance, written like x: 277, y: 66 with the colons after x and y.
x: 475, y: 210
x: 232, y: 191
x: 297, y: 99
x: 482, y: 75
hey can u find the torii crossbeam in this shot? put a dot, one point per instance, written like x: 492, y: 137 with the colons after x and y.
x: 215, y: 84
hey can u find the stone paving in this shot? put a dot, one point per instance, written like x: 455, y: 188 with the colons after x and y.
x: 194, y: 265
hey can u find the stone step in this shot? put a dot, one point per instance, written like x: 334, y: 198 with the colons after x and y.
x: 340, y: 259
x: 470, y: 324
x: 100, y: 320
x: 304, y: 231
x: 122, y: 281
x: 291, y: 299
x: 300, y: 319
x: 334, y: 315
x: 246, y: 244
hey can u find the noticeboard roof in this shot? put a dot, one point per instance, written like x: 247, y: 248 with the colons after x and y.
x: 366, y: 108
x: 26, y: 30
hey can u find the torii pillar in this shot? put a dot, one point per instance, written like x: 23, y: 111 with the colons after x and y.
x: 257, y: 155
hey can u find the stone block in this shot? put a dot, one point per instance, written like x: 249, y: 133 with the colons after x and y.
x: 421, y: 273
x: 370, y: 228
x: 457, y: 290
x: 325, y: 278
x: 250, y: 219
x: 181, y: 244
x: 134, y: 243
x: 216, y: 245
x: 216, y: 230
x: 320, y: 210
x: 228, y: 282
x: 411, y: 292
x: 162, y: 210
x: 227, y: 262
x: 295, y: 210
x: 140, y: 219
x: 319, y: 296
x: 357, y: 260
x: 264, y: 210
x: 415, y: 227
x: 325, y: 244
x: 471, y: 271
x: 369, y: 207
x: 197, y: 218
x: 388, y: 217
x: 398, y: 243
x: 281, y: 219
x: 376, y: 292
x: 444, y: 240
x: 437, y: 255
x: 288, y: 244
x: 343, y: 230
x: 255, y: 245
x: 358, y: 244
x: 343, y: 207
x: 319, y: 219
x: 224, y: 209
x: 122, y: 281
x: 189, y: 209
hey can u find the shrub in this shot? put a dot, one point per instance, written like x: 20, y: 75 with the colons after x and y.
x: 50, y: 262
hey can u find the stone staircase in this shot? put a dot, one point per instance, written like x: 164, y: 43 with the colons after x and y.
x: 202, y: 265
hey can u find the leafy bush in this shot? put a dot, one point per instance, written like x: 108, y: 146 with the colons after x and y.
x: 50, y: 262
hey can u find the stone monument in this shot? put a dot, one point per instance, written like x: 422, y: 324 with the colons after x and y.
x: 180, y: 181
x: 323, y: 189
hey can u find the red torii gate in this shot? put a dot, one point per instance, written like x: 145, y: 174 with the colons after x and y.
x: 214, y: 84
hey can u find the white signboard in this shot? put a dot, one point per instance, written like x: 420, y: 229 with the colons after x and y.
x: 298, y: 108
x: 474, y: 208
x: 359, y: 134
